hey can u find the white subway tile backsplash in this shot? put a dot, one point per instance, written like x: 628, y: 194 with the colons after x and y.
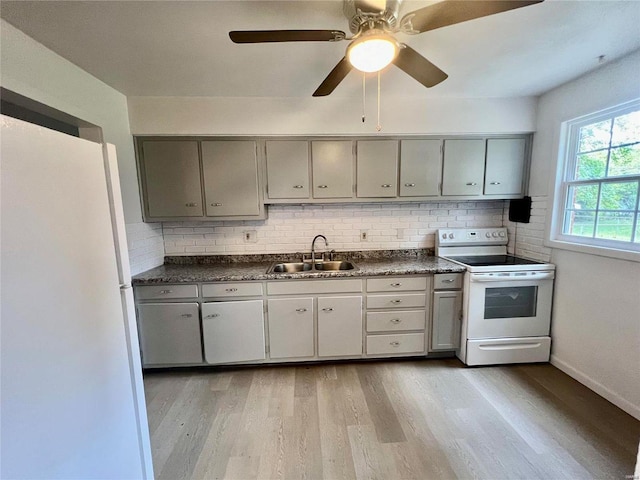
x: 146, y: 246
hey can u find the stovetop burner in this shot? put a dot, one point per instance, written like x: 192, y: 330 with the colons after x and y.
x: 493, y: 260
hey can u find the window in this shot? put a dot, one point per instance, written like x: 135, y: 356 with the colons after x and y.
x: 600, y: 188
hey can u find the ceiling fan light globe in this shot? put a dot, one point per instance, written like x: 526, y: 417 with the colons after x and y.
x: 372, y: 53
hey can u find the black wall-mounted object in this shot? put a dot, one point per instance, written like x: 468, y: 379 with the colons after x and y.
x: 520, y: 210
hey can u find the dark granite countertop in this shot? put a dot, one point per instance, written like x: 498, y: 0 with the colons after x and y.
x: 206, y: 269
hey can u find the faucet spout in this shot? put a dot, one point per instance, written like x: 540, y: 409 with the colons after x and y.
x: 313, y: 248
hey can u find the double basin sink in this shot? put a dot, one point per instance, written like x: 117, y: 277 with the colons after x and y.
x: 311, y: 267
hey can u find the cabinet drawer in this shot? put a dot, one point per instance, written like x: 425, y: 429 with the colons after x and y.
x: 157, y: 292
x: 390, y: 321
x: 393, y: 284
x: 447, y: 281
x: 398, y: 343
x: 232, y: 290
x: 314, y: 286
x: 402, y: 300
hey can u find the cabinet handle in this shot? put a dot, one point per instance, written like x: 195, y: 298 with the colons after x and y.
x: 186, y: 315
x: 396, y: 284
x: 298, y: 186
x: 164, y: 292
x: 322, y: 186
x: 409, y: 184
x: 301, y: 310
x: 385, y: 185
x: 327, y: 309
x: 190, y: 204
x: 448, y: 280
x: 213, y: 315
x: 396, y: 301
x: 471, y: 184
x: 494, y: 183
x: 395, y: 320
x: 216, y: 204
x: 231, y: 290
x: 394, y: 344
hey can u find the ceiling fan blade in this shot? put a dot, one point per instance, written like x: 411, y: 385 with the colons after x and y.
x: 264, y: 36
x: 450, y: 12
x: 334, y: 78
x: 415, y: 65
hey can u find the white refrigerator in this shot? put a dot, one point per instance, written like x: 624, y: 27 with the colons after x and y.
x: 72, y: 398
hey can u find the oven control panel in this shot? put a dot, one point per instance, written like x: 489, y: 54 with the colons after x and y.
x: 452, y: 237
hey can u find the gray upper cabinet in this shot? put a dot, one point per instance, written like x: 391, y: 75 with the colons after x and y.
x: 230, y: 171
x: 170, y: 173
x: 505, y: 166
x: 420, y: 168
x: 377, y: 168
x: 332, y: 166
x: 463, y: 171
x: 287, y: 169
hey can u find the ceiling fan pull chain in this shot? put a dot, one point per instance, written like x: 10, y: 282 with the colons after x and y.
x: 378, y: 126
x: 364, y: 77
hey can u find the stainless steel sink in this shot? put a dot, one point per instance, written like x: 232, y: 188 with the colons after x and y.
x: 322, y: 266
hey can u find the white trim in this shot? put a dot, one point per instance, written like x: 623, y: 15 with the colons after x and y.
x: 597, y: 387
x: 594, y: 250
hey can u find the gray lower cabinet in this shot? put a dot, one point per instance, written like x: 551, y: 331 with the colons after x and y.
x: 332, y: 168
x: 233, y: 331
x: 170, y: 333
x: 463, y: 167
x: 291, y: 328
x: 377, y: 168
x: 339, y: 326
x: 446, y: 312
x: 287, y: 169
x: 420, y: 168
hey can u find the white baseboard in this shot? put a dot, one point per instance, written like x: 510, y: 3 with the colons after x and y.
x: 627, y: 406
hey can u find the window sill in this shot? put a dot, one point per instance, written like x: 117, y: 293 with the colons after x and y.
x: 629, y: 255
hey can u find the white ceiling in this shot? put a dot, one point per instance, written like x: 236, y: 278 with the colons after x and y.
x: 182, y: 48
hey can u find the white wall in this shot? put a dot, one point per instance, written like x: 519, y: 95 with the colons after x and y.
x: 32, y: 70
x: 596, y: 315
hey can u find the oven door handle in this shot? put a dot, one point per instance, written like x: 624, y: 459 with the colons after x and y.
x: 483, y: 278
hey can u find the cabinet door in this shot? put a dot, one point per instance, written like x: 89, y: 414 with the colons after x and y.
x: 339, y: 326
x: 332, y: 166
x: 445, y: 332
x: 169, y: 333
x: 377, y: 168
x: 287, y: 169
x: 233, y: 331
x: 172, y: 179
x: 420, y: 168
x: 230, y: 178
x: 505, y: 166
x: 291, y: 327
x: 463, y: 172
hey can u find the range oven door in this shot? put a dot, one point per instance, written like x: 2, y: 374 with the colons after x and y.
x: 509, y: 304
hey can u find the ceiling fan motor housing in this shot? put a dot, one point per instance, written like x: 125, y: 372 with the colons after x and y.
x: 361, y: 12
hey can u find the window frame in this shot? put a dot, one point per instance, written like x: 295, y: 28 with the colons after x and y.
x: 565, y: 173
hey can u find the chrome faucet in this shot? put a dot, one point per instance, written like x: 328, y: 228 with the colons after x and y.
x: 313, y: 247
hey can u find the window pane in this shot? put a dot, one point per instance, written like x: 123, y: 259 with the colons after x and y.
x: 618, y: 196
x: 615, y: 225
x: 579, y: 223
x: 594, y: 136
x: 583, y: 197
x: 591, y: 165
x: 637, y: 239
x: 624, y: 161
x: 626, y: 128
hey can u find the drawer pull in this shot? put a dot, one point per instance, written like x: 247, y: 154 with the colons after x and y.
x: 231, y: 290
x: 409, y: 184
x: 394, y: 344
x: 190, y: 204
x: 494, y: 183
x: 213, y: 315
x: 216, y: 204
x: 472, y: 184
x: 386, y: 185
x: 448, y: 280
x: 186, y: 315
x: 164, y: 292
x: 396, y: 284
x: 395, y: 320
x: 322, y: 186
x: 298, y: 186
x: 329, y: 309
x: 396, y: 301
x: 301, y: 310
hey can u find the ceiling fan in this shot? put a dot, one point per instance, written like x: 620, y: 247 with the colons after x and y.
x: 373, y: 46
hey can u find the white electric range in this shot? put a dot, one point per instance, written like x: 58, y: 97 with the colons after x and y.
x: 507, y: 299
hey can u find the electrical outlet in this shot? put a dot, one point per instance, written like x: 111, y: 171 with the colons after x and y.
x: 250, y: 236
x: 364, y: 235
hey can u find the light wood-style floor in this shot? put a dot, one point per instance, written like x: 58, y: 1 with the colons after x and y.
x: 385, y: 420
